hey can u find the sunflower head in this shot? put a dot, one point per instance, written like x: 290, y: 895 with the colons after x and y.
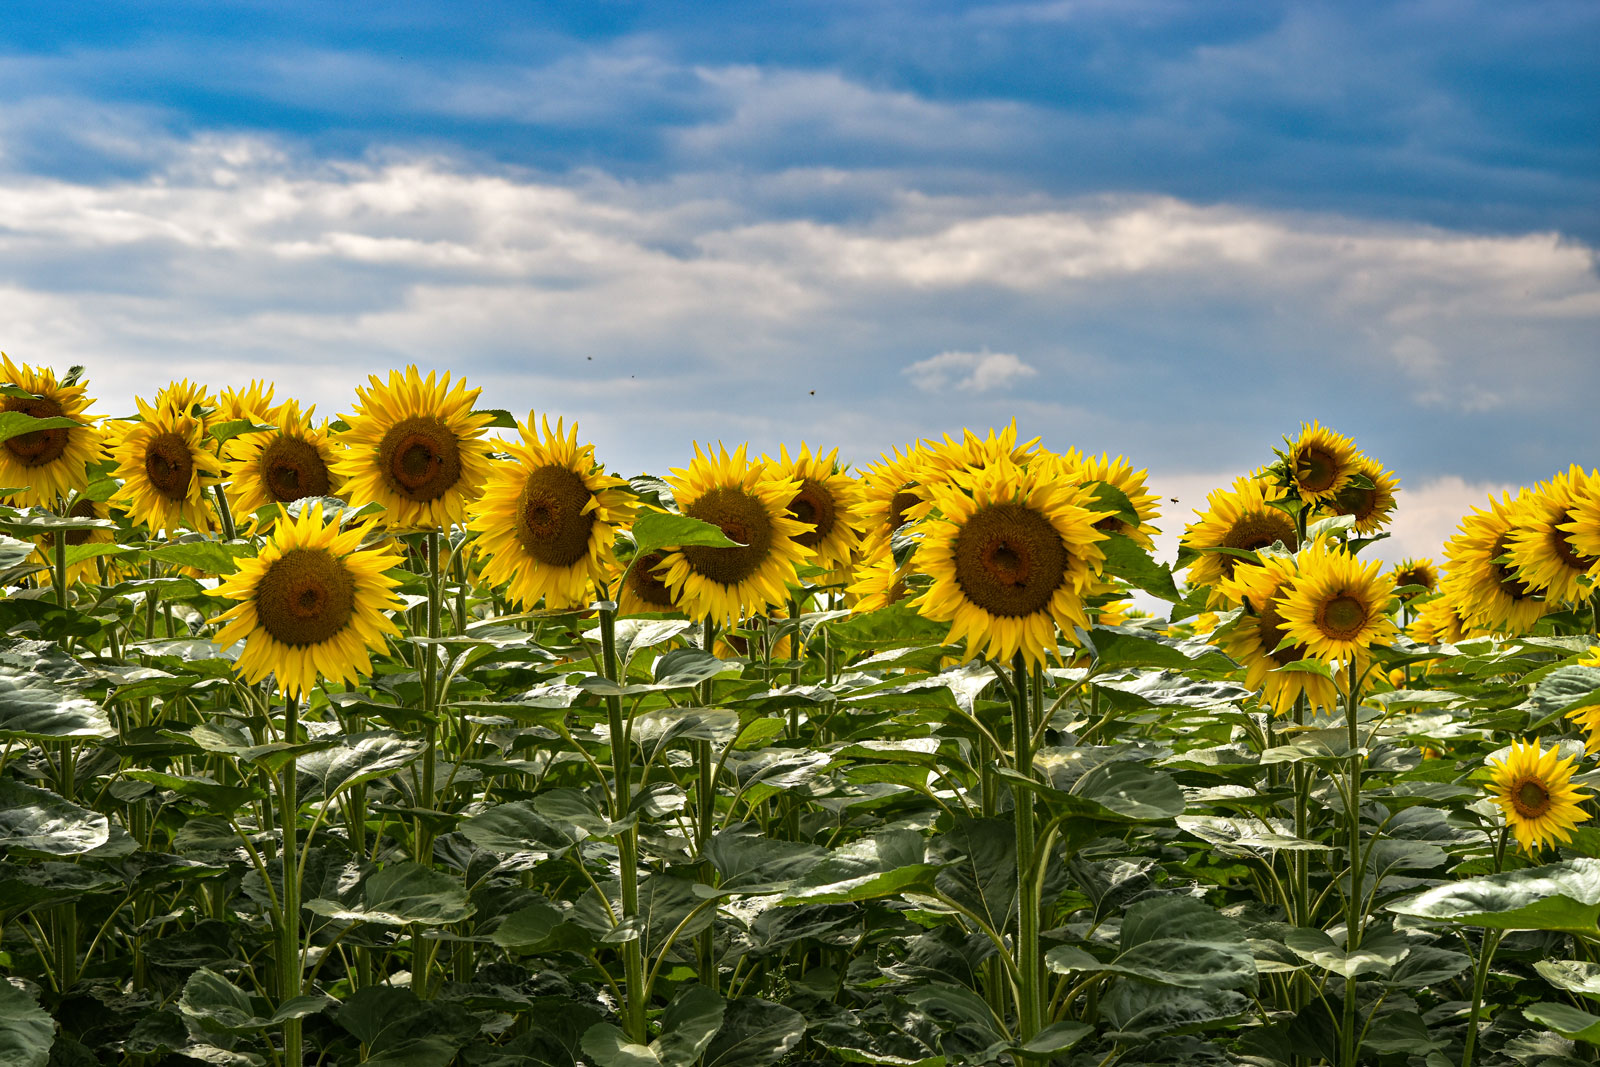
x: 1338, y: 606
x: 644, y: 592
x: 879, y: 582
x: 828, y: 500
x: 1533, y: 787
x: 416, y: 447
x: 1258, y: 638
x: 1482, y: 580
x: 973, y: 452
x: 1243, y: 518
x: 187, y: 399
x: 166, y: 468
x: 81, y: 508
x: 1118, y: 474
x: 280, y: 466
x: 311, y: 604
x: 1416, y: 572
x: 749, y: 503
x: 53, y: 463
x: 1583, y: 522
x: 1540, y: 551
x: 894, y: 491
x: 253, y: 402
x: 1368, y: 497
x: 546, y: 521
x: 1321, y: 462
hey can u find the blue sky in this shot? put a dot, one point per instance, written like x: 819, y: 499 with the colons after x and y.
x: 1172, y: 230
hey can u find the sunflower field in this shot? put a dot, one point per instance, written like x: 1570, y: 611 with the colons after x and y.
x: 415, y: 738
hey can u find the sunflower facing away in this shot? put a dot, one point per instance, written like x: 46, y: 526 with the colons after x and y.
x: 1417, y: 572
x: 547, y: 520
x: 415, y: 446
x: 311, y: 604
x: 1255, y: 640
x: 750, y: 504
x: 48, y: 463
x: 1241, y: 518
x: 1370, y: 505
x: 1337, y: 607
x: 1541, y: 552
x: 828, y: 500
x: 1480, y: 577
x: 1010, y: 558
x: 281, y: 466
x: 1533, y: 787
x: 1321, y: 462
x: 165, y: 469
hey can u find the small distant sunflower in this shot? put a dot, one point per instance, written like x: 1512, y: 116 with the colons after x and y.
x: 1486, y: 587
x: 165, y: 469
x: 1419, y: 572
x: 1119, y: 474
x: 1337, y: 607
x: 281, y: 466
x: 1321, y: 462
x: 47, y: 464
x: 1255, y: 640
x: 1369, y: 506
x: 311, y: 605
x: 547, y: 520
x: 828, y: 500
x: 415, y: 446
x: 1241, y: 518
x: 1010, y: 558
x: 1533, y: 787
x: 644, y: 593
x: 749, y: 503
x: 1541, y: 552
x: 894, y: 492
x: 82, y: 508
x: 879, y: 583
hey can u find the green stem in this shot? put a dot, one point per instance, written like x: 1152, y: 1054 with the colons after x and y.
x: 1353, y: 915
x: 706, y: 803
x: 289, y: 902
x: 628, y: 842
x: 224, y: 512
x: 1030, y: 980
x: 424, y: 949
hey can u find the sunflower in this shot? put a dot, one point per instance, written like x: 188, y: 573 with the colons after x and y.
x: 879, y: 582
x: 972, y: 451
x: 187, y: 398
x: 1416, y: 572
x: 253, y: 402
x: 1321, y: 462
x: 1256, y: 639
x: 547, y: 520
x: 1120, y: 475
x: 1337, y: 607
x: 1439, y: 622
x: 1481, y: 579
x: 281, y: 466
x: 644, y: 593
x: 165, y: 469
x: 1243, y: 518
x: 894, y: 492
x: 416, y: 447
x: 1010, y: 558
x: 828, y: 500
x: 1540, y: 551
x: 312, y: 604
x: 1583, y: 528
x: 1533, y: 787
x: 47, y: 464
x: 1369, y: 504
x: 82, y: 508
x: 749, y: 503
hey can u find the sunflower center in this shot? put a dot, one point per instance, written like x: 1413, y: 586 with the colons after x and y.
x: 551, y: 522
x: 1269, y: 627
x: 742, y: 518
x: 902, y: 502
x: 1342, y: 617
x: 1563, y: 547
x: 813, y: 504
x: 1357, y: 502
x: 83, y: 509
x: 1009, y: 560
x: 1315, y: 469
x: 1257, y: 529
x: 169, y: 466
x: 646, y: 585
x: 420, y: 458
x: 292, y: 468
x: 305, y: 597
x: 39, y: 447
x: 1531, y: 798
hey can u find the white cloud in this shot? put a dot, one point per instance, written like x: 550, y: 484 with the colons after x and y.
x: 978, y: 372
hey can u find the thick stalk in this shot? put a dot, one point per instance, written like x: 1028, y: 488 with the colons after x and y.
x: 705, y: 818
x: 1031, y: 988
x: 422, y: 949
x: 289, y: 902
x: 628, y: 841
x: 1352, y: 814
x: 224, y: 512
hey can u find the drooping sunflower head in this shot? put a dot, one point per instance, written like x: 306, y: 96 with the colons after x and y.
x: 1242, y: 518
x: 253, y: 402
x: 547, y: 520
x: 1120, y: 475
x: 1418, y: 572
x: 416, y: 447
x: 828, y: 500
x: 749, y: 502
x: 1338, y: 606
x: 1533, y: 787
x: 643, y: 592
x: 1321, y: 462
x: 280, y: 466
x: 166, y: 468
x: 1010, y: 558
x: 1256, y: 639
x: 311, y: 604
x: 1368, y: 497
x: 1484, y: 584
x: 1540, y: 551
x: 894, y: 492
x: 47, y: 464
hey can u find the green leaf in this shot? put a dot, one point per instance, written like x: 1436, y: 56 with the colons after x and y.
x: 1375, y: 955
x: 38, y: 820
x: 754, y: 1033
x: 527, y: 928
x: 1560, y: 896
x: 1575, y: 976
x: 218, y: 1005
x: 883, y: 865
x: 207, y: 557
x: 1140, y: 1012
x: 1125, y: 559
x: 34, y: 708
x: 1055, y: 1038
x: 402, y: 893
x: 1131, y: 789
x: 1563, y: 690
x: 356, y: 759
x: 687, y: 1027
x: 500, y: 419
x: 520, y: 827
x: 656, y: 530
x: 52, y: 621
x: 227, y: 431
x: 17, y: 423
x: 1120, y: 647
x: 1573, y: 1023
x: 895, y: 626
x: 26, y: 1032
